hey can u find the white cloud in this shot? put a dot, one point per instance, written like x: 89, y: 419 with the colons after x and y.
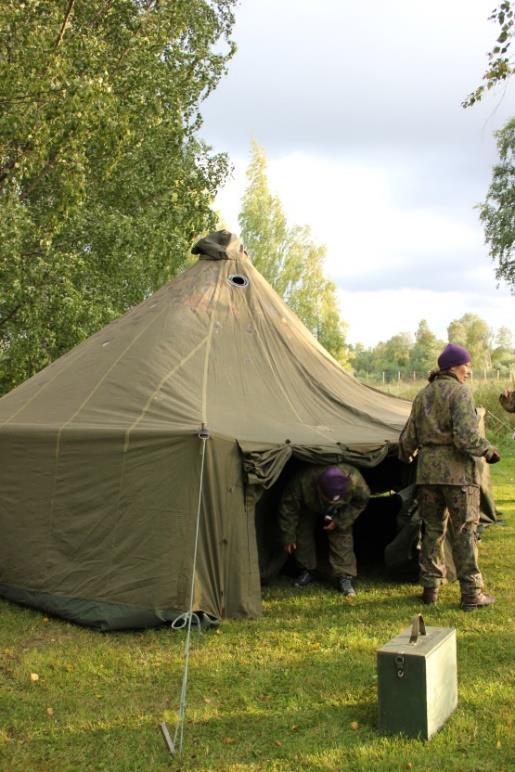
x: 377, y: 316
x: 351, y: 208
x: 358, y: 107
x: 403, y: 264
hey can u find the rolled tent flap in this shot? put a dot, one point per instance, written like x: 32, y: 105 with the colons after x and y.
x: 263, y: 464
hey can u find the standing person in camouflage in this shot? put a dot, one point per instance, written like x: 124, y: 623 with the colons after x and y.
x: 330, y: 497
x: 443, y: 429
x: 507, y: 400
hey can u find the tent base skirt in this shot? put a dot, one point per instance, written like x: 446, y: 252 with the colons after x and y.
x: 101, y: 615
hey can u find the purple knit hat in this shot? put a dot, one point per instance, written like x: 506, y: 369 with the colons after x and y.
x: 452, y: 356
x: 333, y: 483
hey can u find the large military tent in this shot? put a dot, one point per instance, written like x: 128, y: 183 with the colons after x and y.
x: 100, y: 453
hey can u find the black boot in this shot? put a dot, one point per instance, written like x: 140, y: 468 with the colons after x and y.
x: 304, y: 578
x: 430, y: 596
x: 344, y: 585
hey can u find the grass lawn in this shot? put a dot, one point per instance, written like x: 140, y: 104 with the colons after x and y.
x: 294, y: 690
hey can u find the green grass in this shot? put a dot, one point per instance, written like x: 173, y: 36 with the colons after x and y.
x: 294, y: 690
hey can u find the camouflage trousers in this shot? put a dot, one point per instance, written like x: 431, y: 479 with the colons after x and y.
x: 451, y: 510
x: 342, y: 559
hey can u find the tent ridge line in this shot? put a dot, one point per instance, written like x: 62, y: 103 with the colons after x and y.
x: 209, y: 336
x: 61, y: 428
x: 158, y: 389
x: 278, y: 381
x: 354, y: 410
x: 71, y: 360
x: 102, y: 379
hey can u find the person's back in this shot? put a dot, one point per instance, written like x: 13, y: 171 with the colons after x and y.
x: 447, y: 433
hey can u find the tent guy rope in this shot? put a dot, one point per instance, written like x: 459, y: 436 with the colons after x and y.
x: 185, y: 620
x: 502, y: 423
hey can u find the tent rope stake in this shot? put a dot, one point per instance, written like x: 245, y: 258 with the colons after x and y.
x: 185, y: 620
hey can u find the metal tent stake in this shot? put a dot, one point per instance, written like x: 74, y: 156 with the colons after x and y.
x: 166, y: 736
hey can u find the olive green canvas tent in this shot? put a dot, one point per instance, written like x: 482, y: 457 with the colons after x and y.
x: 101, y: 459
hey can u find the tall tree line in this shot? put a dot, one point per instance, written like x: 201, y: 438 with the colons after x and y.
x: 407, y: 355
x: 103, y: 183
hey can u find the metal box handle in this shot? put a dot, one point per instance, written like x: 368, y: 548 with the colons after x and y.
x: 418, y: 628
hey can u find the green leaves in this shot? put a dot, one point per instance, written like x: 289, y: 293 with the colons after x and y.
x: 497, y: 213
x: 475, y: 335
x: 103, y: 182
x: 500, y: 66
x: 289, y: 259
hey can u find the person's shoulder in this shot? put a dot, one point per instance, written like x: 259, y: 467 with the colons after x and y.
x: 346, y: 468
x: 451, y: 386
x: 429, y: 393
x: 462, y: 398
x: 423, y: 393
x: 447, y: 381
x: 352, y: 471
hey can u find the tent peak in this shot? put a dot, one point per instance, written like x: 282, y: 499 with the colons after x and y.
x: 219, y: 245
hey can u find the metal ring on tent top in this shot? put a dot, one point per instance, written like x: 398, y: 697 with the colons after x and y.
x: 237, y: 280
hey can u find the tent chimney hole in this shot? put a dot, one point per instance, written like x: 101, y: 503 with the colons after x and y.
x: 237, y: 280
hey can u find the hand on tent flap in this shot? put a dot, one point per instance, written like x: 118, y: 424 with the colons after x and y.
x: 290, y: 548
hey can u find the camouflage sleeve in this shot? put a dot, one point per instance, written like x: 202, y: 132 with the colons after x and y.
x: 507, y: 400
x: 359, y: 498
x: 289, y: 512
x: 465, y: 430
x: 408, y: 441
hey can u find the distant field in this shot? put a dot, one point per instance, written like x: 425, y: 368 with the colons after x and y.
x: 500, y: 425
x: 294, y: 690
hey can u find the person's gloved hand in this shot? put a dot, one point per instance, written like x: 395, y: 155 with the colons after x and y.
x: 493, y: 456
x: 507, y: 400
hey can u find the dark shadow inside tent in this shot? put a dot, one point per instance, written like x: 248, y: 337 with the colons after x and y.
x: 385, y: 534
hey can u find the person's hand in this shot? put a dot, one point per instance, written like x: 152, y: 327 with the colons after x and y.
x: 493, y: 456
x: 290, y: 548
x: 507, y: 400
x: 331, y: 526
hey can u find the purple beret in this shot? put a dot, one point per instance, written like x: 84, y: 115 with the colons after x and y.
x: 452, y: 356
x: 333, y: 483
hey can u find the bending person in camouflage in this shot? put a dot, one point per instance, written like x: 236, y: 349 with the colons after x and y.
x: 443, y: 430
x: 507, y: 400
x: 331, y: 498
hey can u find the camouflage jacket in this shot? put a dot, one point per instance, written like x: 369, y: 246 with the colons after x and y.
x: 301, y: 494
x: 507, y: 400
x: 443, y: 428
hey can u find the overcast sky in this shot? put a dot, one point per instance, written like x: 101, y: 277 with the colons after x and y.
x: 358, y: 108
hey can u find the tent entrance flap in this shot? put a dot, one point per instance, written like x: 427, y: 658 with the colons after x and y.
x: 263, y: 463
x: 271, y: 468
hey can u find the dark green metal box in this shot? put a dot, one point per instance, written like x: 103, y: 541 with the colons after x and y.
x: 417, y: 680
